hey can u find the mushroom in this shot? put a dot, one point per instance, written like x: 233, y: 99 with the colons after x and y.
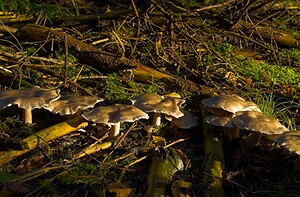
x: 159, y: 105
x: 28, y: 99
x: 186, y: 121
x: 227, y: 106
x: 146, y: 102
x: 259, y: 123
x: 289, y: 139
x: 69, y: 104
x: 229, y: 129
x: 113, y: 115
x: 220, y: 121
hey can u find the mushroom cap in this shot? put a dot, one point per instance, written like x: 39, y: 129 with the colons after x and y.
x: 113, y: 114
x: 70, y: 104
x: 159, y: 104
x: 169, y: 106
x: 258, y: 122
x: 223, y: 104
x: 289, y: 139
x: 146, y: 101
x: 187, y: 121
x: 30, y: 98
x: 220, y: 121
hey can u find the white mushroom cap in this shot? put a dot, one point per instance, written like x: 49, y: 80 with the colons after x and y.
x: 30, y: 98
x: 220, y: 121
x: 70, y: 104
x: 187, y: 121
x: 115, y: 114
x: 158, y: 104
x: 169, y: 106
x: 146, y: 101
x: 289, y: 139
x: 224, y: 104
x: 258, y: 122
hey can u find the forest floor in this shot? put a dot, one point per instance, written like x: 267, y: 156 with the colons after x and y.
x: 115, y: 50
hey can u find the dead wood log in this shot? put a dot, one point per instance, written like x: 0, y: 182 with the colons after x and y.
x: 281, y: 38
x: 267, y: 33
x: 64, y: 21
x: 101, y: 60
x: 44, y: 136
x: 11, y: 80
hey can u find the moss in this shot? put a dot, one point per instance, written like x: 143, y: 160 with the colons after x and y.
x: 268, y: 75
x: 116, y: 90
x: 292, y: 56
x: 81, y: 173
x: 60, y: 54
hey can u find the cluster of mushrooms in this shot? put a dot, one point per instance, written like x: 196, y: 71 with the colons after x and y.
x: 229, y: 111
x: 112, y: 115
x: 234, y: 113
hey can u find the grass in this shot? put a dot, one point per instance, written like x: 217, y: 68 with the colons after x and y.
x: 282, y: 109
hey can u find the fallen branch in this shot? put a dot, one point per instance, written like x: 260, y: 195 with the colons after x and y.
x: 92, y: 149
x: 44, y: 136
x: 10, y: 80
x: 266, y: 33
x: 102, y: 60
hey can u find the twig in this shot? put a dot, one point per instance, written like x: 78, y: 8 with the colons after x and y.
x: 137, y: 16
x: 66, y: 61
x: 120, y: 43
x: 119, y: 142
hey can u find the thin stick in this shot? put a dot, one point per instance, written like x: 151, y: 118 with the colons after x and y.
x: 66, y: 61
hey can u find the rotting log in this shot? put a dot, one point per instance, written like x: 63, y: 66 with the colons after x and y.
x: 43, y: 136
x: 266, y: 33
x: 67, y: 20
x: 92, y: 149
x: 281, y: 38
x: 11, y: 80
x: 214, y: 154
x: 101, y: 60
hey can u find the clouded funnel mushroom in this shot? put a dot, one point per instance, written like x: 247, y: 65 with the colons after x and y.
x: 28, y: 99
x: 230, y: 130
x: 289, y: 139
x: 146, y: 102
x: 158, y: 105
x: 70, y: 104
x: 113, y: 115
x: 186, y: 121
x: 259, y: 123
x: 228, y: 105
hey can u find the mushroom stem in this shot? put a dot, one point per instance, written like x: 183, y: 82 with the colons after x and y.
x: 253, y: 140
x: 156, y: 119
x: 231, y: 133
x: 27, y: 116
x: 114, y: 130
